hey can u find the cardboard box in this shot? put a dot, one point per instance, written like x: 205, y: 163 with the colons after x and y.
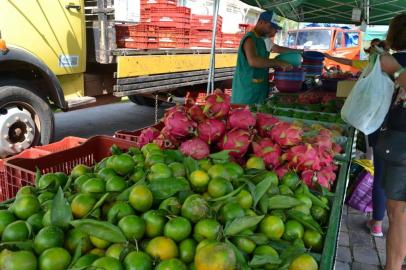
x: 344, y: 87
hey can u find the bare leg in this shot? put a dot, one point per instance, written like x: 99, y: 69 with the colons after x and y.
x: 396, y: 239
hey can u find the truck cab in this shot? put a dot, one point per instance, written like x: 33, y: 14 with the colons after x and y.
x: 336, y: 41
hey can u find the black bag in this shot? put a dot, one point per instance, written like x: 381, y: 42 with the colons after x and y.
x: 391, y: 147
x: 396, y: 118
x: 391, y: 142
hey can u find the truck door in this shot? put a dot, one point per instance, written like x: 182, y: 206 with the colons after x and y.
x: 346, y: 44
x: 53, y: 31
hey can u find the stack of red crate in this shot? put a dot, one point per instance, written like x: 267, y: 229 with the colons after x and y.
x: 201, y: 34
x: 203, y: 39
x: 205, y: 22
x: 163, y: 25
x: 140, y: 36
x: 146, y: 6
x: 231, y: 40
x: 246, y: 27
x: 173, y: 24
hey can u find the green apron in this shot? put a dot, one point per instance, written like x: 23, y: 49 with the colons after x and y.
x: 250, y: 85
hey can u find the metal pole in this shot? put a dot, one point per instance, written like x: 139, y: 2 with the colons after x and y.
x: 212, y: 68
x: 367, y: 9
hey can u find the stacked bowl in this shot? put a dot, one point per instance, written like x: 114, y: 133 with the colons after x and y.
x: 313, y: 63
x: 289, y: 81
x: 292, y: 80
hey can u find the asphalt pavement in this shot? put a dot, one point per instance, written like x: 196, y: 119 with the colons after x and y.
x: 104, y: 120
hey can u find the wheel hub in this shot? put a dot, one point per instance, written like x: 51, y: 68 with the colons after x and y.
x: 17, y: 131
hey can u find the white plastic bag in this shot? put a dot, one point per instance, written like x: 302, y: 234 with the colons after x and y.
x: 369, y: 101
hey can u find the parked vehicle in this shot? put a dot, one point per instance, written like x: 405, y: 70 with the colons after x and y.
x: 63, y: 55
x: 339, y: 42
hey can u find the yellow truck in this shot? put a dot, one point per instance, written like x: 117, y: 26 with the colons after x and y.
x: 62, y: 54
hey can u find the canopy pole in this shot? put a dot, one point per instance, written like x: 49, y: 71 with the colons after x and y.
x: 212, y: 69
x: 365, y: 4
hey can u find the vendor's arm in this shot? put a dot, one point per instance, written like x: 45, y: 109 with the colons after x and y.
x: 391, y: 66
x: 256, y: 61
x: 280, y: 49
x: 343, y: 61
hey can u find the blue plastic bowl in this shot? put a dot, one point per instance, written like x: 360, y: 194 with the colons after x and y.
x: 293, y: 58
x: 313, y: 56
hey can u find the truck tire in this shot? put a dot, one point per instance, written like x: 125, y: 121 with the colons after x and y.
x: 19, y: 98
x: 143, y: 101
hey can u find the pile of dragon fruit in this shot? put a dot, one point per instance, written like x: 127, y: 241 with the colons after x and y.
x: 200, y: 130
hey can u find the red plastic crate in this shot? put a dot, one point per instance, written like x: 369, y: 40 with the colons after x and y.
x: 147, y: 4
x: 3, y: 183
x: 21, y: 172
x: 133, y: 135
x: 204, y: 34
x: 173, y: 43
x: 172, y: 32
x: 173, y: 11
x: 153, y: 43
x: 65, y: 143
x: 231, y: 40
x: 130, y: 43
x: 232, y: 36
x: 205, y: 22
x: 9, y: 188
x: 203, y: 42
x: 130, y: 30
x: 168, y: 17
x: 145, y: 17
x: 246, y: 27
x: 229, y: 46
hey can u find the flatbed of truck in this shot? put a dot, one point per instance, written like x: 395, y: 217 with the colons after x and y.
x: 131, y: 52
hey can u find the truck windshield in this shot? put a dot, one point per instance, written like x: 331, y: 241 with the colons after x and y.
x: 314, y: 39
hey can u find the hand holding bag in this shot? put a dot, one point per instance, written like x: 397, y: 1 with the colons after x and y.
x: 368, y: 103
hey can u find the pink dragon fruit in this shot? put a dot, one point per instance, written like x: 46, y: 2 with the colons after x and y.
x: 286, y: 134
x: 309, y: 177
x: 281, y: 171
x: 320, y: 141
x: 211, y: 130
x: 265, y: 122
x: 196, y: 113
x: 147, y: 136
x: 323, y: 141
x: 325, y: 177
x: 237, y: 140
x: 166, y: 141
x: 329, y: 172
x: 217, y: 105
x: 179, y: 125
x: 177, y: 108
x: 302, y: 157
x: 269, y: 151
x: 195, y: 148
x: 337, y: 149
x: 325, y: 132
x: 325, y: 155
x: 241, y: 118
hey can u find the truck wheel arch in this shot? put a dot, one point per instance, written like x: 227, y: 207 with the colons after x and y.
x: 18, y: 63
